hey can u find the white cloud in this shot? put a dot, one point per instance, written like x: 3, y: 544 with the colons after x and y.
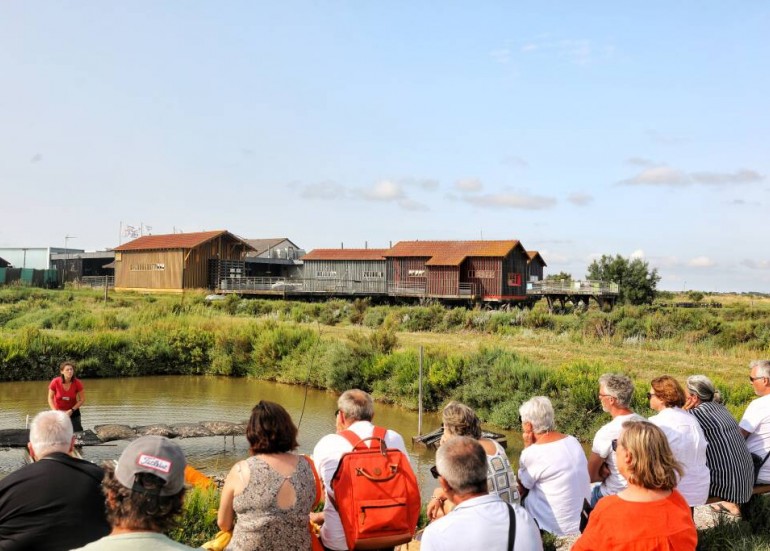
x: 658, y: 176
x: 638, y: 253
x: 327, y: 191
x: 701, y: 262
x: 756, y: 264
x: 512, y: 201
x: 580, y: 199
x: 742, y: 176
x: 667, y: 176
x: 577, y: 51
x: 384, y: 190
x: 427, y: 184
x: 469, y: 184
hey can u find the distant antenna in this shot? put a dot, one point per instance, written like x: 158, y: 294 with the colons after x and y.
x: 481, y: 233
x: 366, y: 244
x: 390, y: 244
x: 342, y: 245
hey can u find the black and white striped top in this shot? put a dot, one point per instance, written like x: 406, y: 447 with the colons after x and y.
x: 728, y: 459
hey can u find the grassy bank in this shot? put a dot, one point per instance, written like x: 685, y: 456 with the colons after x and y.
x: 491, y: 360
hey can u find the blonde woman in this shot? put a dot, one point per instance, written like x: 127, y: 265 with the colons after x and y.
x: 650, y: 513
x: 461, y: 420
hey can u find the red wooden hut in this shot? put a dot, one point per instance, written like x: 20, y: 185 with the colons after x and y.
x: 485, y: 270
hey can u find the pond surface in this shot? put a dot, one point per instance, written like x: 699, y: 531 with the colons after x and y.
x: 182, y: 399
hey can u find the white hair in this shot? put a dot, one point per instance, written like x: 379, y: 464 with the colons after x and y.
x: 539, y: 412
x: 763, y: 367
x: 50, y: 431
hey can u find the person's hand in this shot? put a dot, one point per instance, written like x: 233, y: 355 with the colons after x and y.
x: 435, y: 508
x: 528, y: 437
x: 69, y: 412
x: 317, y: 518
x: 690, y: 402
x: 604, y: 471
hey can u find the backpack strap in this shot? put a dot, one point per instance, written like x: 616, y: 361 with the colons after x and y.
x: 511, y: 527
x: 377, y: 438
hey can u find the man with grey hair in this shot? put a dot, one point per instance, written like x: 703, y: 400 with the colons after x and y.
x: 55, y: 503
x: 755, y: 424
x: 479, y: 520
x: 615, y: 394
x: 355, y: 411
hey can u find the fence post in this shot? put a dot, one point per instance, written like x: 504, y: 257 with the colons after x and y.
x: 419, y: 394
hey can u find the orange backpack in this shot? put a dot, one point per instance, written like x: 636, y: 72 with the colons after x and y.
x: 375, y: 493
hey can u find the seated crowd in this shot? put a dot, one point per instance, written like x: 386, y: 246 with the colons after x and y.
x: 647, y: 476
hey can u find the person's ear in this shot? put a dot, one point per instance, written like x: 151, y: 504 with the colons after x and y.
x: 31, y: 451
x: 444, y: 484
x: 527, y: 426
x: 72, y: 445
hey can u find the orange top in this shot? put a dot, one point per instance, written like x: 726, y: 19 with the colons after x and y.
x: 619, y: 525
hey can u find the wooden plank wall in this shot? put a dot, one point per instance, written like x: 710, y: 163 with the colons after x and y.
x: 443, y: 281
x: 348, y: 275
x: 515, y: 263
x: 485, y: 286
x: 398, y: 270
x: 196, y: 269
x: 148, y: 270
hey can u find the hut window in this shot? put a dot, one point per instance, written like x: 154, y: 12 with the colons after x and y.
x: 514, y: 280
x: 326, y: 274
x: 416, y: 273
x: 481, y: 274
x: 373, y: 275
x: 148, y: 267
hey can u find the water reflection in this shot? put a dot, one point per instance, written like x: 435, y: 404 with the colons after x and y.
x: 146, y: 400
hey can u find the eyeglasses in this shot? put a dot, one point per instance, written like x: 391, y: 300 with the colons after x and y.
x: 605, y: 395
x: 650, y: 395
x: 615, y: 445
x: 336, y: 413
x: 752, y: 379
x: 434, y: 471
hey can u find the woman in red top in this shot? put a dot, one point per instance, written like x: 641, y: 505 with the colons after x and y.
x: 65, y: 393
x: 649, y: 515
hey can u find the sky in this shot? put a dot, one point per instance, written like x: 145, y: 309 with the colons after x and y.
x: 579, y: 128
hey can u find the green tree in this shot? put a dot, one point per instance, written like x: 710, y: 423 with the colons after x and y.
x: 636, y: 281
x: 558, y: 277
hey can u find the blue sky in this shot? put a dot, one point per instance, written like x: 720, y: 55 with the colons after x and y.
x: 578, y: 128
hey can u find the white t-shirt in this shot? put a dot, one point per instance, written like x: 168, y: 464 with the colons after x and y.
x: 602, y: 447
x: 556, y: 475
x: 689, y: 447
x: 756, y: 421
x: 481, y: 523
x: 326, y: 456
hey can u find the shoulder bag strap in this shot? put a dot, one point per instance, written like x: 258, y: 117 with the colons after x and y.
x: 318, y: 484
x: 511, y: 527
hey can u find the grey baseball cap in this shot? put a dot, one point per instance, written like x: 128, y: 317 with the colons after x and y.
x: 154, y: 455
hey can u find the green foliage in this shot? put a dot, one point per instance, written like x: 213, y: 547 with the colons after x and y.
x: 637, y: 282
x: 197, y: 523
x: 695, y: 296
x: 561, y: 276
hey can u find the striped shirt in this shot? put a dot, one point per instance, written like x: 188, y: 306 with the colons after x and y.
x: 732, y: 471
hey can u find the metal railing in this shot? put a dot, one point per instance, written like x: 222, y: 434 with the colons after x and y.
x: 96, y: 281
x: 572, y: 287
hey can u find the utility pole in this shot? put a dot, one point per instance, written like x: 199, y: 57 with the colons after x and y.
x: 67, y: 255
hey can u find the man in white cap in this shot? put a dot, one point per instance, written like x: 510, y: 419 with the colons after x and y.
x: 144, y: 494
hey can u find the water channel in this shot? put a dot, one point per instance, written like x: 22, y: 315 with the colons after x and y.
x: 182, y: 399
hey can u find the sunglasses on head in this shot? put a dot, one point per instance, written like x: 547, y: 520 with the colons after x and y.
x: 434, y: 471
x: 615, y: 445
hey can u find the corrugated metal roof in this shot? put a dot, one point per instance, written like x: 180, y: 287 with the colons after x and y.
x: 174, y: 241
x: 345, y: 254
x: 262, y: 245
x: 534, y: 254
x: 451, y: 253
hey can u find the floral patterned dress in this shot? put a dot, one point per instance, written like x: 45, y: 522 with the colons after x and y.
x: 261, y: 523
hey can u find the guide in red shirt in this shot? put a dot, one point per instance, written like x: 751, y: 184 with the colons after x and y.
x: 65, y: 393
